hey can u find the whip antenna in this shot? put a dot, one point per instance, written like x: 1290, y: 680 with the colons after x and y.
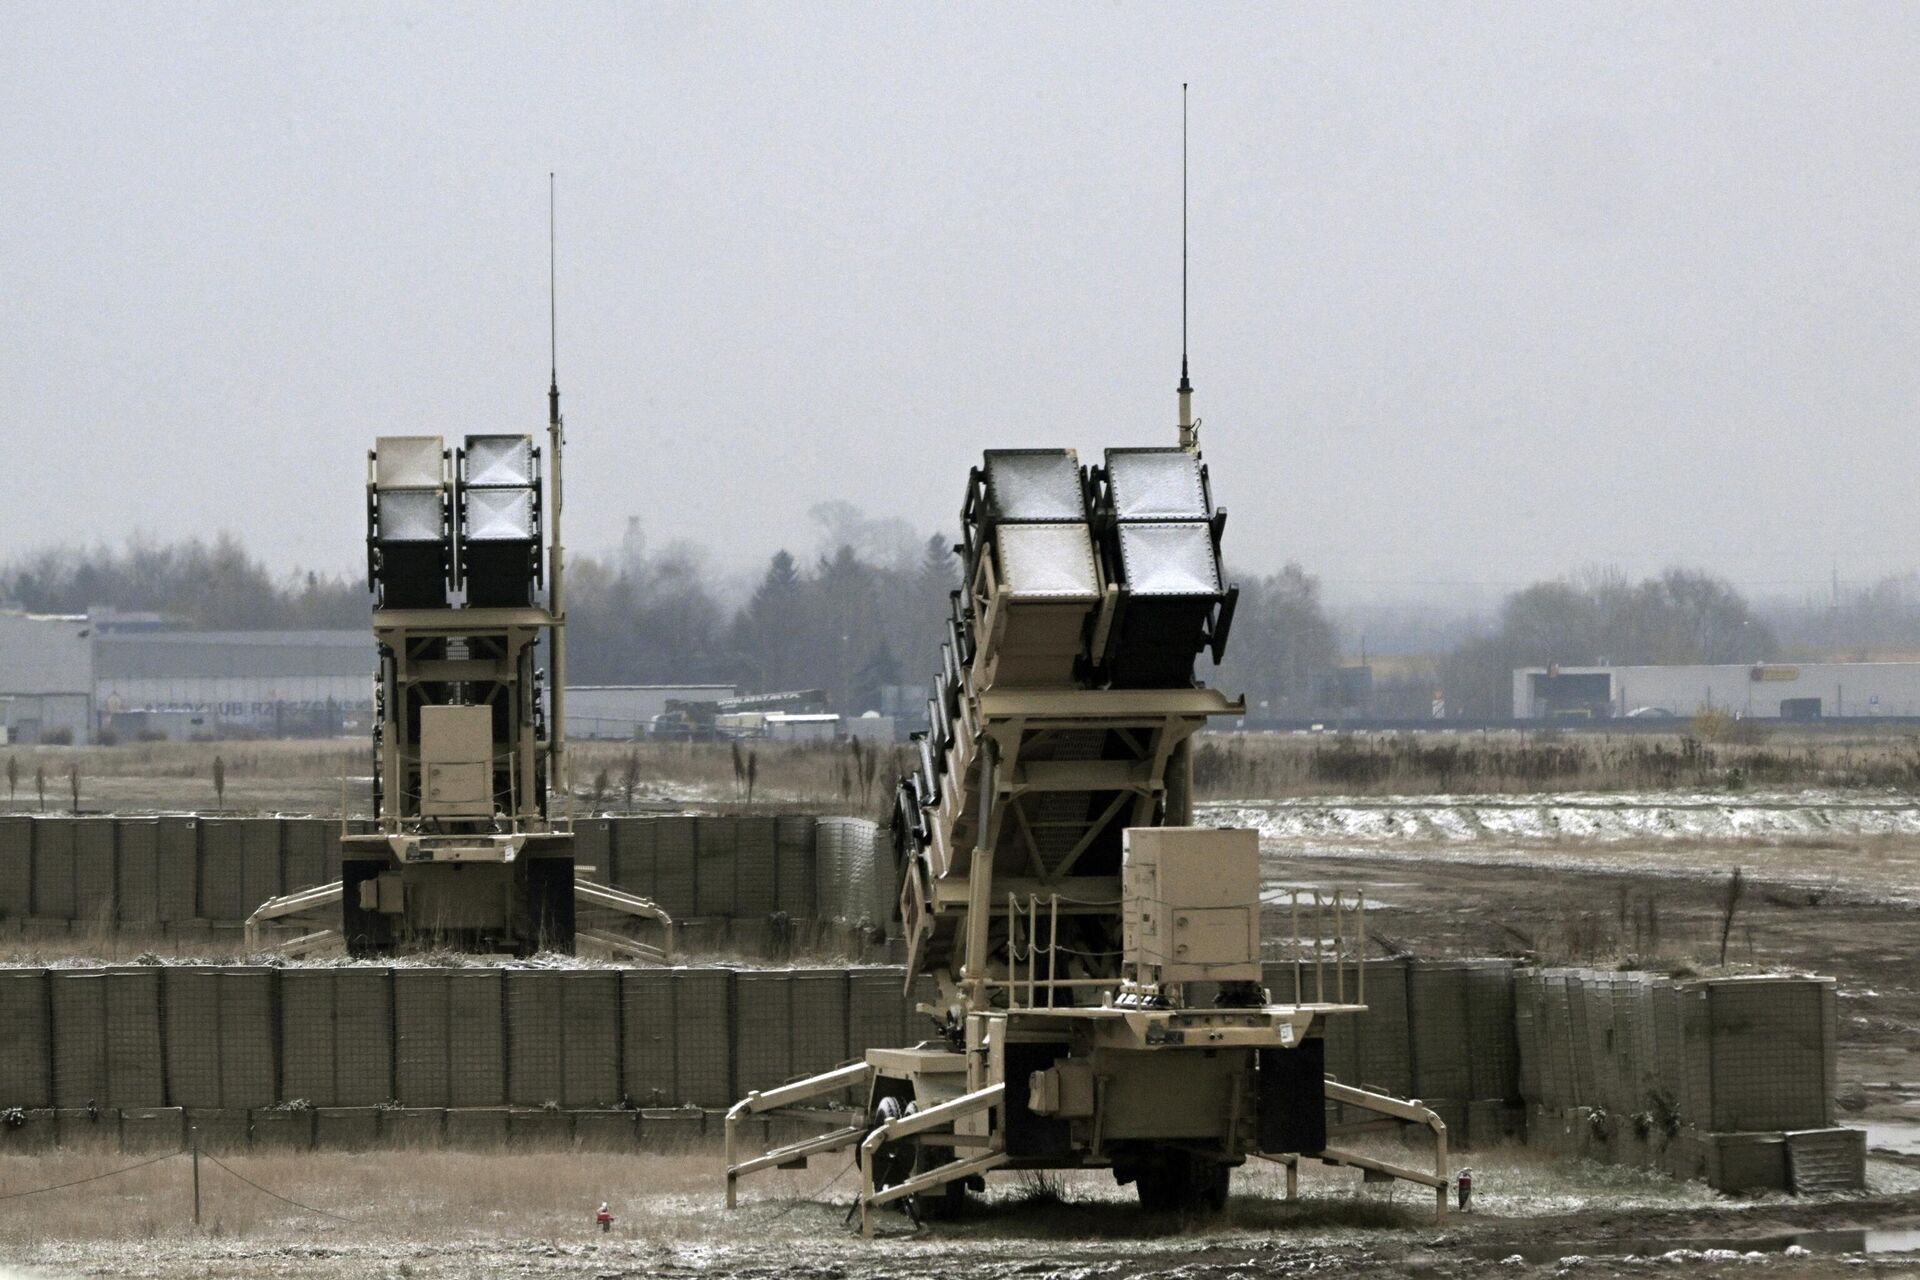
x: 1189, y: 429
x: 558, y: 771
x: 553, y: 315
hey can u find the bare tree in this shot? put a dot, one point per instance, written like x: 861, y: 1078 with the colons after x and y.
x: 1736, y: 889
x: 1283, y: 646
x: 630, y: 779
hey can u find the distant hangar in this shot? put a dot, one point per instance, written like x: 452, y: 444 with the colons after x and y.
x: 1768, y: 690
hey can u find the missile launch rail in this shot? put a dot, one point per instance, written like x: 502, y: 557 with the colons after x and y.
x: 1098, y: 957
x: 470, y: 848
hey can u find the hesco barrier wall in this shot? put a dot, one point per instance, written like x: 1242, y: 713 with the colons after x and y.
x: 246, y: 1038
x: 193, y: 875
x: 1727, y: 1079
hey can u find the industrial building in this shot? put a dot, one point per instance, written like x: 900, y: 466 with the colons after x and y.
x: 274, y: 683
x: 46, y: 677
x: 70, y: 678
x: 1768, y: 690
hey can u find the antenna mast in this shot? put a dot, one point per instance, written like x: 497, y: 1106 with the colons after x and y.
x: 556, y: 554
x: 1189, y: 429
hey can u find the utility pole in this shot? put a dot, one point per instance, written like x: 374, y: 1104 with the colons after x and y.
x: 196, y: 1175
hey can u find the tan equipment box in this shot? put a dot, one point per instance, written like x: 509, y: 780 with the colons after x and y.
x: 1192, y: 903
x: 456, y: 762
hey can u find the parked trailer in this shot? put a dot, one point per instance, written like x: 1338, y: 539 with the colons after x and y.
x: 470, y: 846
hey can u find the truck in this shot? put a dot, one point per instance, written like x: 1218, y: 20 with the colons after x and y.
x: 470, y: 846
x: 1099, y: 958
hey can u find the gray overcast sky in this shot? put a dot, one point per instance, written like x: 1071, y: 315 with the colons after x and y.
x: 1481, y: 292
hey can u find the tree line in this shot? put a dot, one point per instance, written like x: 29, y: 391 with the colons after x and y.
x: 867, y: 609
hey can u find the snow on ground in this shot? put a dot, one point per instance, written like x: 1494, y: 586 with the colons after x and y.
x: 1573, y: 815
x: 1868, y: 847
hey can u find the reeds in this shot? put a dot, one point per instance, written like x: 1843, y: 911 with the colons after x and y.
x: 1273, y: 766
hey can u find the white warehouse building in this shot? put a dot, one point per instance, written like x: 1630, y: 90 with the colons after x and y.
x: 46, y: 677
x: 277, y: 683
x: 69, y: 678
x: 1769, y: 690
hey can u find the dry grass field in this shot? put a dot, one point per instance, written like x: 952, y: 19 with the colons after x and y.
x: 320, y: 776
x: 1734, y: 757
x: 327, y: 776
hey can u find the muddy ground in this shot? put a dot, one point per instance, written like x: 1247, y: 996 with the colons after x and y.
x: 443, y: 1215
x: 1840, y: 904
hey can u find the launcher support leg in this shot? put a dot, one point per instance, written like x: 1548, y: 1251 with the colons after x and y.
x: 733, y: 1123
